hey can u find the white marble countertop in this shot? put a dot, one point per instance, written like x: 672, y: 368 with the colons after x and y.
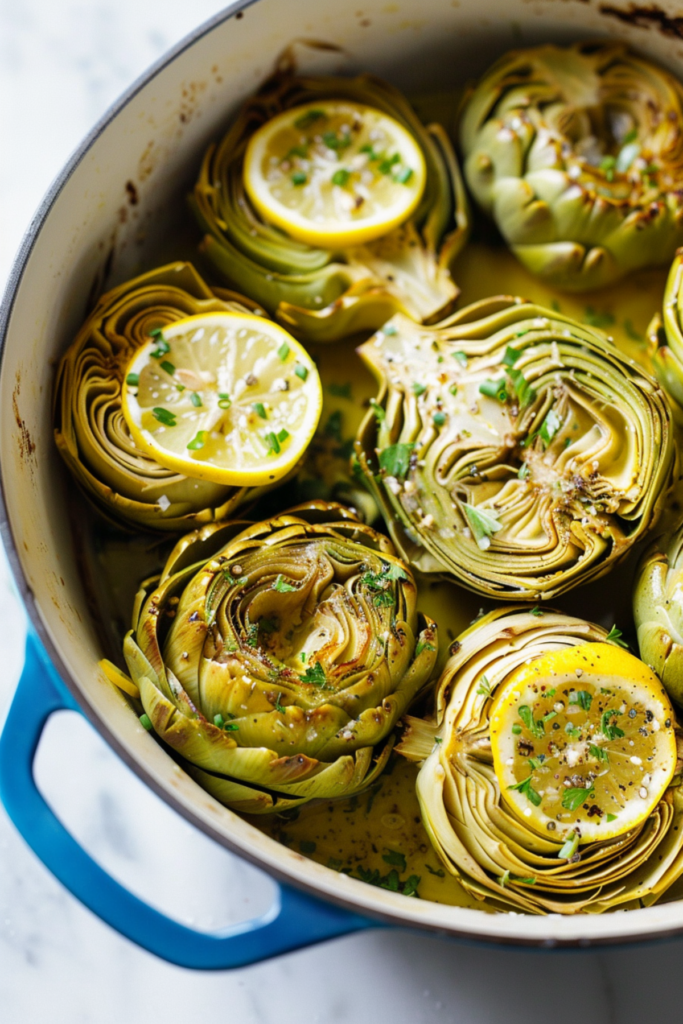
x: 61, y: 63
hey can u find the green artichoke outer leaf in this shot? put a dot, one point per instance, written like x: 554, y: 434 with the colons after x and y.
x: 513, y: 448
x: 491, y: 851
x: 281, y: 659
x: 321, y: 295
x: 665, y: 339
x: 658, y: 611
x: 127, y: 486
x: 575, y: 153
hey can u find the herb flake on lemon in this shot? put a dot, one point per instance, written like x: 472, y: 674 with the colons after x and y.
x: 334, y: 173
x: 227, y: 397
x: 583, y: 743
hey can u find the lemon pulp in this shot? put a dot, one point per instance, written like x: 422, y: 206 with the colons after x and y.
x: 334, y: 173
x: 583, y: 742
x: 228, y: 397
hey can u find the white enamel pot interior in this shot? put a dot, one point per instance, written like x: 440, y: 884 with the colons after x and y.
x: 105, y: 219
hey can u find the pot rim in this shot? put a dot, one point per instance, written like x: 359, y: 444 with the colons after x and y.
x: 389, y: 915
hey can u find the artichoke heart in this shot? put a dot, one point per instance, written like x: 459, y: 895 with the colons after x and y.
x: 278, y: 668
x: 568, y: 802
x: 124, y: 483
x: 658, y: 611
x: 513, y: 448
x: 319, y: 294
x: 577, y: 154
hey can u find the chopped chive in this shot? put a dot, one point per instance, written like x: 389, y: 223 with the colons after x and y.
x: 198, y: 441
x: 340, y: 390
x: 273, y: 443
x: 298, y: 178
x: 341, y: 177
x: 611, y: 817
x: 146, y: 722
x: 309, y: 117
x: 523, y: 471
x: 301, y: 151
x: 283, y: 351
x: 453, y: 390
x: 133, y: 379
x: 156, y: 332
x: 460, y: 357
x: 403, y: 175
x: 283, y: 435
x: 550, y: 426
x: 570, y: 846
x: 224, y: 401
x: 169, y: 368
x: 494, y: 389
x: 258, y: 407
x: 516, y: 728
x: 439, y: 418
x: 162, y: 348
x: 511, y: 356
x: 196, y: 399
x: 418, y: 389
x: 301, y: 371
x: 164, y: 416
x: 387, y: 164
x: 389, y: 330
x: 180, y: 387
x: 536, y: 611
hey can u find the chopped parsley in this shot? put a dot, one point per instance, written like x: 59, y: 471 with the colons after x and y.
x: 614, y: 637
x: 574, y: 796
x: 282, y: 586
x: 341, y: 177
x: 526, y: 789
x: 315, y: 674
x: 581, y: 697
x: 395, y: 459
x: 608, y: 728
x: 483, y: 523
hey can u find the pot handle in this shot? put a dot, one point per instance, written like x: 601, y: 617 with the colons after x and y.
x: 295, y: 919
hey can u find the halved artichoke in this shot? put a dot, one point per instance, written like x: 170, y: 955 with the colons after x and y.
x: 665, y: 336
x: 490, y: 849
x: 278, y: 668
x: 658, y: 611
x: 577, y: 154
x: 318, y: 294
x: 126, y: 485
x: 513, y: 448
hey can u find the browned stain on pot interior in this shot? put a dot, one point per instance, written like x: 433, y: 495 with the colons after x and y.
x: 133, y: 197
x: 645, y: 17
x: 27, y: 445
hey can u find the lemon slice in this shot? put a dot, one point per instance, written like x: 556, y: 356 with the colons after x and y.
x: 583, y: 743
x: 334, y: 173
x: 228, y: 397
